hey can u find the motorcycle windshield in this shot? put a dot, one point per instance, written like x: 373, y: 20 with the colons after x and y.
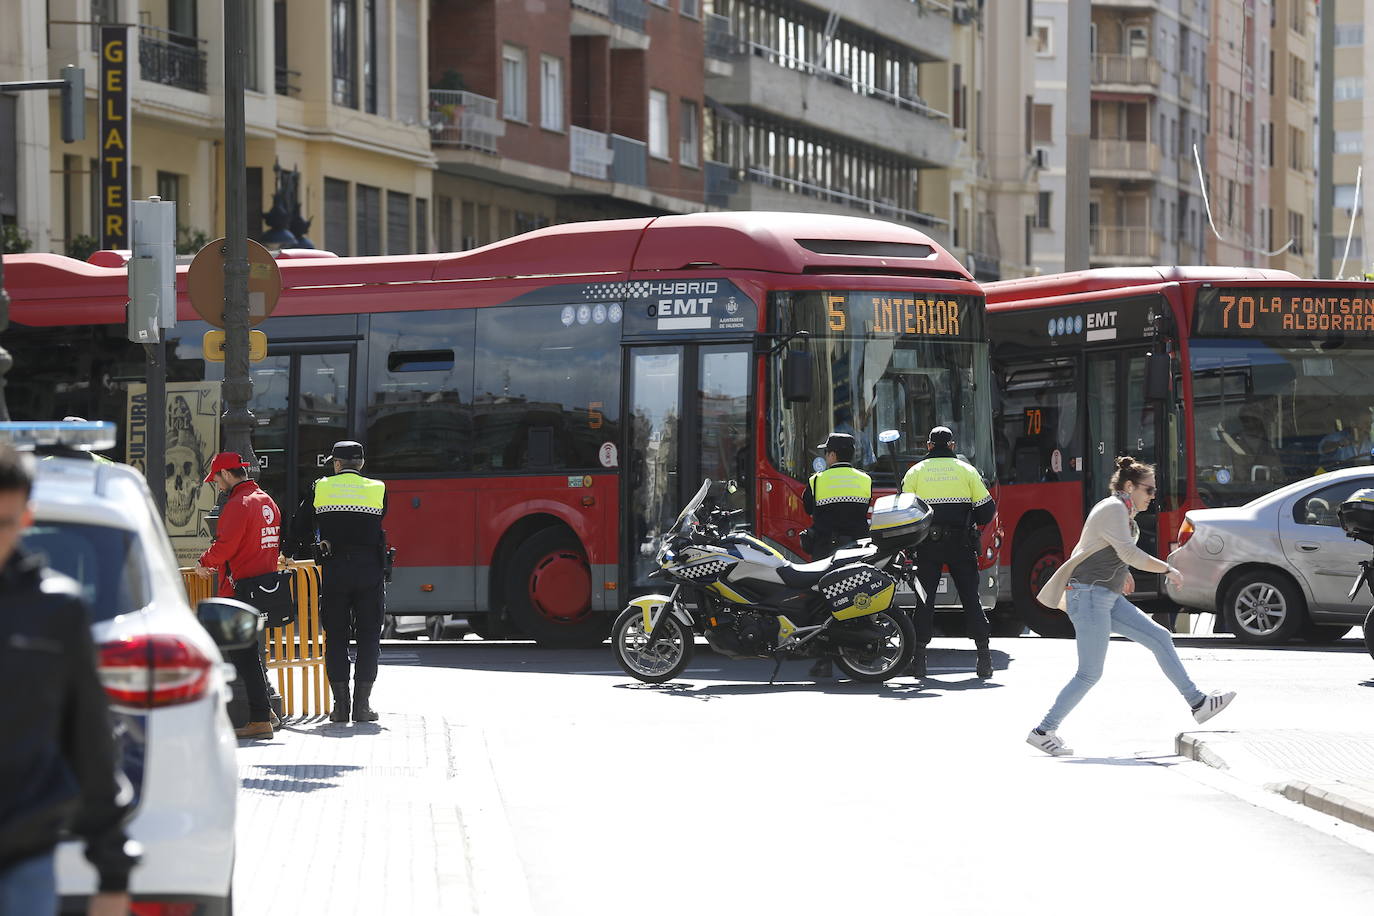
x: 690, y: 510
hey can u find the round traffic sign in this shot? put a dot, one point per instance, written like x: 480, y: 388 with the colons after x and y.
x: 205, y: 282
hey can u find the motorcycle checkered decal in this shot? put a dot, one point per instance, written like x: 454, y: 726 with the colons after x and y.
x: 850, y: 584
x: 705, y: 570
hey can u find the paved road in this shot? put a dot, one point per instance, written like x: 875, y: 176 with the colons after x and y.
x: 722, y: 793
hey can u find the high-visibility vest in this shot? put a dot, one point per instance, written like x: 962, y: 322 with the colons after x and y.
x: 947, y: 481
x: 841, y: 485
x: 349, y: 493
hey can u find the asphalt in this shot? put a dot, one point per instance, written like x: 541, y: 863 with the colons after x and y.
x: 1331, y: 772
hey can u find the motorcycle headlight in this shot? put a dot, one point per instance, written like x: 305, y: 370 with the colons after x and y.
x: 665, y: 556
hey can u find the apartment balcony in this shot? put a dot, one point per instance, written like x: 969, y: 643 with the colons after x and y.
x: 1137, y: 160
x: 773, y: 83
x: 763, y: 190
x: 590, y: 153
x: 288, y: 82
x: 458, y: 118
x: 630, y: 164
x: 1186, y: 87
x: 171, y: 59
x: 624, y: 22
x: 721, y: 184
x: 1123, y: 246
x: 1125, y: 70
x: 926, y: 27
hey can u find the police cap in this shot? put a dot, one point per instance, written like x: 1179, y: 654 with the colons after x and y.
x: 347, y: 450
x: 941, y: 435
x: 839, y: 443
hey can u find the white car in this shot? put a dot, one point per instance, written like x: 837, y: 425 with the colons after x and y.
x: 165, y: 679
x: 1280, y: 566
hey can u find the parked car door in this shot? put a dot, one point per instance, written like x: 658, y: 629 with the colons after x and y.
x: 1316, y: 546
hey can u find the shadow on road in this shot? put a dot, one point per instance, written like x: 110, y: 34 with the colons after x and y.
x: 1122, y: 761
x: 892, y: 690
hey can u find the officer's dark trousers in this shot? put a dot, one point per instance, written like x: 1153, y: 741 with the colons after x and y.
x: 253, y: 676
x: 954, y: 551
x: 351, y: 606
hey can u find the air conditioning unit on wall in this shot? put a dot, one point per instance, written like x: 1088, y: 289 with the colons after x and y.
x: 1040, y: 157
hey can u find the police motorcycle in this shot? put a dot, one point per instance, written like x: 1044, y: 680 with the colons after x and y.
x: 1357, y: 518
x: 748, y: 601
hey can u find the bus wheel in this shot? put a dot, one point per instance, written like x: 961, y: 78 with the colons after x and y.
x: 549, y: 591
x: 1032, y: 564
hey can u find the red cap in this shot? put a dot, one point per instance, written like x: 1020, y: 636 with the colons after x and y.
x: 225, y: 461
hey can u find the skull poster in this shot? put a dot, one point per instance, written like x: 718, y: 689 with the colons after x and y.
x: 193, y: 410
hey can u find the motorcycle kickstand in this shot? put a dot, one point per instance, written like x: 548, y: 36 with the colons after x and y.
x: 777, y: 664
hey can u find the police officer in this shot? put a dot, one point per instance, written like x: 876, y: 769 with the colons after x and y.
x: 837, y: 499
x: 961, y: 505
x: 347, y: 511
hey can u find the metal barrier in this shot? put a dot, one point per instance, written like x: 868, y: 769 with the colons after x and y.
x: 297, y: 647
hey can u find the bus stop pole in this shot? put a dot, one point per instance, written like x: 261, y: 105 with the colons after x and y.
x: 238, y: 386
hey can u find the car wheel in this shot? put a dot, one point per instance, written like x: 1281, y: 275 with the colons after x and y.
x: 1032, y: 564
x: 1264, y: 607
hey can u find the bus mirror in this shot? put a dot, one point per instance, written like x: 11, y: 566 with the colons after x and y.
x: 1157, y: 377
x: 796, y: 377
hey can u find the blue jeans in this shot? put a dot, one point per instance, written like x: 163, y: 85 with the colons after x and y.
x: 1097, y: 612
x: 29, y: 888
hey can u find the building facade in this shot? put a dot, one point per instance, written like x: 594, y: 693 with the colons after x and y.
x: 335, y: 96
x: 1240, y: 158
x: 1353, y: 109
x: 1288, y: 223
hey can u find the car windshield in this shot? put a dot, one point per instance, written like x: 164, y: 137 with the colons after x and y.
x: 1266, y: 414
x: 106, y: 562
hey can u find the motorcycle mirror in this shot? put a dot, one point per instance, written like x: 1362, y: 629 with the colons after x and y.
x: 889, y: 435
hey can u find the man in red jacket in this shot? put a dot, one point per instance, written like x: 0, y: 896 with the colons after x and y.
x: 246, y: 545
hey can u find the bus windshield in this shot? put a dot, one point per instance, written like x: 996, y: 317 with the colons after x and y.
x: 884, y: 360
x: 1268, y: 413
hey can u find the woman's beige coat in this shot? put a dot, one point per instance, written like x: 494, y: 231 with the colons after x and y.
x: 1108, y: 525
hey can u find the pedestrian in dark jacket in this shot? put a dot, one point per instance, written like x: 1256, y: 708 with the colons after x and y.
x: 57, y: 767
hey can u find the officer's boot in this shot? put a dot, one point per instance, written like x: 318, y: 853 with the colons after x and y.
x: 362, y: 710
x: 917, y: 668
x: 984, y: 660
x: 341, y: 701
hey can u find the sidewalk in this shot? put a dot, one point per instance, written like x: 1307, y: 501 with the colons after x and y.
x: 1331, y: 772
x: 397, y: 816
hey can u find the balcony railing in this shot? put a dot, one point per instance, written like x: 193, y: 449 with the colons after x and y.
x: 465, y: 119
x: 600, y: 7
x: 631, y: 163
x: 590, y: 153
x: 720, y: 184
x: 1123, y: 241
x: 633, y: 14
x: 1124, y: 68
x: 1124, y: 156
x: 879, y: 207
x: 1186, y: 87
x: 171, y: 59
x: 852, y: 83
x: 720, y: 38
x: 288, y: 82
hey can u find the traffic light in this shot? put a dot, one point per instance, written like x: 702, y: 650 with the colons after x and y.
x: 73, y: 104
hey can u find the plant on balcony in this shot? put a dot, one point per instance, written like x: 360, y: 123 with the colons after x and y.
x: 82, y: 247
x: 190, y: 241
x: 14, y: 240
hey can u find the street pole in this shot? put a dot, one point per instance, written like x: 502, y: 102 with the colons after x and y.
x: 238, y: 386
x: 1326, y: 141
x: 6, y: 361
x: 1079, y: 126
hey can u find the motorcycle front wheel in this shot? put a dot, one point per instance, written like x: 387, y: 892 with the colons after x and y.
x: 1369, y: 631
x: 662, y: 661
x: 888, y: 656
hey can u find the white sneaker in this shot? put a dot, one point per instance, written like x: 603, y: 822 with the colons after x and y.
x: 1049, y: 742
x: 1212, y: 704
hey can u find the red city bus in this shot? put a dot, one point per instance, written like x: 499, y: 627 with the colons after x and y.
x: 1176, y: 366
x: 542, y: 407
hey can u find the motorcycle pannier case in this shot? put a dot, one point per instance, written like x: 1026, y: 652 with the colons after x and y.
x: 857, y: 590
x: 901, y: 520
x: 1357, y: 515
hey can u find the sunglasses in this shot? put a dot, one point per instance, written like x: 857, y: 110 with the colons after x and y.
x: 1149, y: 491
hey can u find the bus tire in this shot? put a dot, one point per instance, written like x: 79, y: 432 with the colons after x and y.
x: 549, y: 591
x: 1035, y: 559
x: 1263, y: 607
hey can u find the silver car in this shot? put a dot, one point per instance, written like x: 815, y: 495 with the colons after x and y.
x: 1278, y: 567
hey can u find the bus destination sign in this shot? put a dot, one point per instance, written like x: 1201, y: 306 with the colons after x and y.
x: 893, y: 314
x: 1283, y: 312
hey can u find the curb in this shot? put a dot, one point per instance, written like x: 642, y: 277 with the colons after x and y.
x: 1347, y: 803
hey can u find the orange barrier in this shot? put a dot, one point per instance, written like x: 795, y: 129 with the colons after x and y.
x: 296, y: 647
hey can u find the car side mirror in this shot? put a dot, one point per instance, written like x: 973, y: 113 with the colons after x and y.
x: 797, y: 382
x: 230, y: 623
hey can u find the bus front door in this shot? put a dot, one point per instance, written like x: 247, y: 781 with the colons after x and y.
x: 302, y: 404
x: 687, y: 420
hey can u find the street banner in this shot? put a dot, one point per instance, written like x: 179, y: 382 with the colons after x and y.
x: 193, y: 410
x: 114, y: 137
